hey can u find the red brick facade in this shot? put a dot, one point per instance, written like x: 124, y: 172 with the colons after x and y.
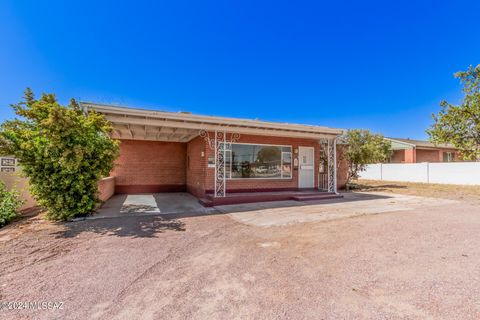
x: 342, y: 168
x: 421, y: 155
x: 257, y: 184
x: 398, y: 156
x: 429, y: 155
x: 148, y: 166
x: 196, y: 167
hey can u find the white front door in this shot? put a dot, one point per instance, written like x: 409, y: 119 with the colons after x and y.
x: 306, y: 167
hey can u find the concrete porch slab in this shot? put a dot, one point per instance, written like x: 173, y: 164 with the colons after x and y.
x: 272, y: 214
x: 122, y: 205
x: 140, y: 203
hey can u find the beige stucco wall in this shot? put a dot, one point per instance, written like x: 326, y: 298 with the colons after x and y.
x: 14, y: 180
x: 106, y: 187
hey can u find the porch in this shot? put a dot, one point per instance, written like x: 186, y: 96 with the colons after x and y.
x: 184, y: 204
x: 263, y: 196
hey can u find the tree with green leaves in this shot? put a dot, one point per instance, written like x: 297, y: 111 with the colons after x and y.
x: 460, y: 125
x: 10, y: 202
x: 63, y: 151
x: 362, y: 148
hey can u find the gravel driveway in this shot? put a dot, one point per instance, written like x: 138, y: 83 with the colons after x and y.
x: 421, y: 262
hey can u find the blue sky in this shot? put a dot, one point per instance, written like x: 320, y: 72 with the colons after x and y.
x: 381, y: 65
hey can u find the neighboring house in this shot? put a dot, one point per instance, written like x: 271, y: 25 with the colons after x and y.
x: 415, y: 151
x: 168, y: 151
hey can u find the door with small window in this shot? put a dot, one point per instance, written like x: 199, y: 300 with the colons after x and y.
x: 306, y: 167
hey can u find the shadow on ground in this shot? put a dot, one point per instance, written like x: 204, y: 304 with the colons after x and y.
x: 134, y: 227
x: 151, y: 226
x: 347, y: 197
x: 378, y: 187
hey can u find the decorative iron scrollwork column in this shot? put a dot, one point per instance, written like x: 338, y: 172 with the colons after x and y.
x: 220, y: 155
x: 332, y: 165
x: 220, y: 144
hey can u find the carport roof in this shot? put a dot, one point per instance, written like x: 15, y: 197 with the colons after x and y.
x: 141, y: 124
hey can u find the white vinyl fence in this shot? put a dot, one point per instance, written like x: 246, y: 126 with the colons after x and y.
x: 467, y: 173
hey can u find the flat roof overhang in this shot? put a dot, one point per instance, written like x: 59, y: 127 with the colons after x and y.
x: 434, y: 148
x: 402, y: 145
x: 140, y: 124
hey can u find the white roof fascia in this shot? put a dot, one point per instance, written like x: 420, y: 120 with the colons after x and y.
x: 223, y: 122
x: 401, y: 142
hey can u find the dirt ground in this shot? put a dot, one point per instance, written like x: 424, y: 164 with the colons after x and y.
x: 445, y: 191
x: 409, y: 264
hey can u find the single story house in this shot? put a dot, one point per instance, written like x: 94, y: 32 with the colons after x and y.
x: 415, y: 151
x: 214, y: 157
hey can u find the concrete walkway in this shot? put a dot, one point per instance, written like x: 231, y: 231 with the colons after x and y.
x: 281, y: 213
x: 122, y: 205
x: 139, y: 203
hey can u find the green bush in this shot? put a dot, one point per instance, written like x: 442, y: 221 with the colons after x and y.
x: 63, y: 151
x: 9, y: 204
x: 362, y: 148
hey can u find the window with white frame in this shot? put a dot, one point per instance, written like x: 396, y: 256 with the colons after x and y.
x: 448, y: 157
x: 258, y: 161
x: 8, y: 164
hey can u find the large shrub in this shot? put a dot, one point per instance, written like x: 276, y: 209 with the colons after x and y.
x: 9, y: 204
x: 63, y: 151
x: 362, y: 148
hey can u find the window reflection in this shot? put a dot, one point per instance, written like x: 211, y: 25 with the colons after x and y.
x: 259, y: 161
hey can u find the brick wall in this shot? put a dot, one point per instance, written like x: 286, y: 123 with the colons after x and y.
x: 342, y: 168
x: 421, y: 155
x: 429, y: 155
x: 398, y: 156
x: 196, y: 165
x: 410, y: 156
x: 292, y: 183
x: 435, y: 155
x: 150, y: 166
x: 268, y: 184
x: 456, y: 155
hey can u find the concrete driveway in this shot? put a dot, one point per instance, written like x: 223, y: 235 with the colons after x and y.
x: 418, y: 259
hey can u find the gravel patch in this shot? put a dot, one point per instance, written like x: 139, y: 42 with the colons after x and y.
x: 420, y: 263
